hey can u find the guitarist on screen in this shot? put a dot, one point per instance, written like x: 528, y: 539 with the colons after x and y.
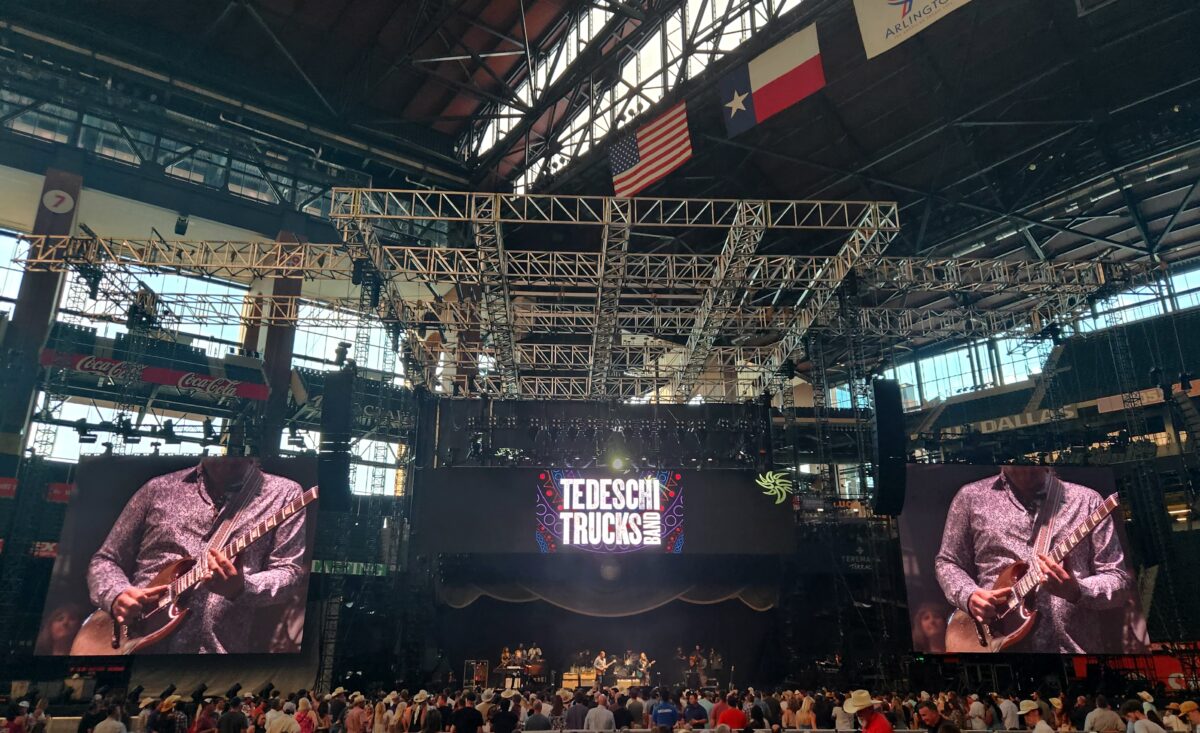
x: 191, y: 513
x: 997, y: 521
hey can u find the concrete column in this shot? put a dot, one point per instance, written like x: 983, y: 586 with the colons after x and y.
x: 33, y: 314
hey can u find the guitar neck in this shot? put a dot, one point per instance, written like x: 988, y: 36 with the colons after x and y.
x: 199, y: 571
x: 1031, y: 580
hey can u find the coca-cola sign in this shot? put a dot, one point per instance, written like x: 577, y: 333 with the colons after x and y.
x: 214, y: 386
x: 115, y: 370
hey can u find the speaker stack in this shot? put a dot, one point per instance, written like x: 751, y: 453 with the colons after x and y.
x: 891, y: 444
x: 333, y: 459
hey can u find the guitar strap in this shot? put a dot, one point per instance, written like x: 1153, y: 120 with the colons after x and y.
x: 235, y: 510
x: 1047, y: 518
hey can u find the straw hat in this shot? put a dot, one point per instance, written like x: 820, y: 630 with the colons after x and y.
x: 1173, y: 706
x: 169, y: 703
x: 420, y: 697
x: 858, y: 700
x: 1056, y: 703
x: 147, y: 702
x: 1028, y: 706
x: 565, y: 694
x: 488, y: 694
x: 338, y: 691
x: 1146, y: 696
x: 508, y: 694
x: 1188, y: 706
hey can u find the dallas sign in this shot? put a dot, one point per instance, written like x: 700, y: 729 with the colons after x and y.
x: 609, y: 513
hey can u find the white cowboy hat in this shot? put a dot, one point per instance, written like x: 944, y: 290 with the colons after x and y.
x: 488, y: 694
x: 508, y: 694
x: 1146, y: 696
x: 858, y: 700
x: 338, y: 691
x: 1028, y: 706
x: 420, y: 697
x: 1056, y: 703
x: 565, y: 694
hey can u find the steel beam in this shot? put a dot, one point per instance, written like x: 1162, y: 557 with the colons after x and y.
x: 493, y: 287
x: 731, y: 278
x: 608, y: 292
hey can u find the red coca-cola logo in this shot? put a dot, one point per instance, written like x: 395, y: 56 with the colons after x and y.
x: 215, y: 386
x: 115, y: 370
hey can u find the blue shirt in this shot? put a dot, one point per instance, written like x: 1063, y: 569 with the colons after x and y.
x: 664, y: 713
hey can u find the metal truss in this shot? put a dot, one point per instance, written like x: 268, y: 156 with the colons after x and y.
x: 608, y: 292
x: 493, y: 287
x: 729, y: 282
x: 566, y: 271
x: 864, y: 247
x: 429, y: 205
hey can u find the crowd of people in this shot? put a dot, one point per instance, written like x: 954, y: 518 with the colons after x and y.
x: 608, y: 709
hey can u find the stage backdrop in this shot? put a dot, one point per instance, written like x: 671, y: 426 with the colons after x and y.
x: 104, y: 496
x: 991, y: 517
x: 530, y: 510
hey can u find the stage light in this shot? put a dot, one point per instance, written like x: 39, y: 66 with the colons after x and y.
x: 618, y: 463
x: 181, y: 224
x: 339, y: 353
x: 1185, y: 382
x: 210, y: 433
x: 168, y: 433
x: 294, y: 439
x: 85, y: 434
x: 167, y: 692
x: 198, y: 693
x: 233, y: 691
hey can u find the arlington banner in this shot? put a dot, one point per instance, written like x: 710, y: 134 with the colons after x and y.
x: 888, y: 23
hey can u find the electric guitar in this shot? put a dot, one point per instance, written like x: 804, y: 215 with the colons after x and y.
x: 1016, y: 619
x: 102, y: 635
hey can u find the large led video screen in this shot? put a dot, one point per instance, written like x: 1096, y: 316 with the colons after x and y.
x: 557, y: 510
x: 178, y: 555
x: 1018, y: 559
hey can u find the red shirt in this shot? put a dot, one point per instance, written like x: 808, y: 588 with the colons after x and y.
x: 877, y: 724
x: 734, y: 718
x: 719, y: 708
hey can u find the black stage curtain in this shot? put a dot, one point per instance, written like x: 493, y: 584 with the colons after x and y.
x: 745, y: 637
x: 609, y: 586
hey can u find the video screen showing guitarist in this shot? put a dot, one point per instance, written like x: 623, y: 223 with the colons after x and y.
x: 1026, y: 560
x: 212, y: 558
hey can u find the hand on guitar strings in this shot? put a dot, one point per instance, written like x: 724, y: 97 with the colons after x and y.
x: 225, y: 578
x: 133, y: 602
x: 1058, y: 580
x: 985, y: 604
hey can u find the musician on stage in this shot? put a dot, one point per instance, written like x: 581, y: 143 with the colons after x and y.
x: 994, y: 522
x: 643, y: 668
x: 192, y: 513
x: 601, y: 665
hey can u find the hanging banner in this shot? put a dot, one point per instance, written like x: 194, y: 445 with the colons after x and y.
x: 191, y: 383
x: 885, y: 24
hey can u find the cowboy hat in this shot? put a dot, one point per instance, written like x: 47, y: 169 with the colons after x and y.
x: 565, y: 694
x: 858, y: 700
x: 508, y: 694
x: 488, y: 694
x: 338, y: 691
x: 1056, y: 703
x: 169, y: 703
x: 1028, y: 706
x: 1173, y: 706
x: 1146, y: 696
x: 147, y: 702
x: 1188, y: 706
x: 420, y: 697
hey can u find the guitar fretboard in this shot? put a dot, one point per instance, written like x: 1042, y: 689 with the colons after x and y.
x: 1033, y: 578
x: 199, y: 571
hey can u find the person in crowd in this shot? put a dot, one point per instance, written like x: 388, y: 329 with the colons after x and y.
x: 823, y: 714
x: 733, y: 715
x: 1032, y: 713
x: 558, y: 709
x: 758, y: 719
x: 170, y: 718
x: 503, y: 719
x: 843, y: 719
x: 600, y: 717
x: 206, y: 717
x: 536, y: 720
x: 1172, y: 720
x: 466, y: 719
x: 1190, y: 712
x: 621, y: 715
x: 860, y: 704
x: 694, y: 713
x: 931, y: 717
x: 414, y: 716
x: 285, y: 721
x: 663, y: 712
x: 719, y: 707
x: 1102, y: 719
x: 358, y: 717
x: 1135, y: 712
x: 306, y: 717
x: 637, y: 709
x: 431, y: 721
x: 803, y: 718
x: 233, y: 720
x: 577, y: 713
x: 112, y: 722
x: 1079, y: 712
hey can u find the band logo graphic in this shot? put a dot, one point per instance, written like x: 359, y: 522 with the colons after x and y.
x: 612, y: 514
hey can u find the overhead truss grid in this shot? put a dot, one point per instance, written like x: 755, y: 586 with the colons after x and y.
x: 541, y: 324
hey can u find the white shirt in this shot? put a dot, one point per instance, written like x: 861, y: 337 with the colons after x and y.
x: 1042, y: 727
x: 1008, y: 709
x: 108, y: 725
x: 600, y: 718
x: 1172, y: 722
x: 1147, y: 726
x: 976, y: 713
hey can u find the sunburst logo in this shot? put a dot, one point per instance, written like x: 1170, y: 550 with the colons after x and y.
x: 776, y: 484
x: 904, y: 5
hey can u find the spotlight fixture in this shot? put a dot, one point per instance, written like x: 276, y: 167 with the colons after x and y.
x: 340, y: 353
x: 181, y: 224
x: 167, y: 431
x: 294, y: 438
x: 210, y: 434
x: 85, y: 434
x: 1185, y: 382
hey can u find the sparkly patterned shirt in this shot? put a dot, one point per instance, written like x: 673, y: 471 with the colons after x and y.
x: 988, y: 528
x: 172, y: 517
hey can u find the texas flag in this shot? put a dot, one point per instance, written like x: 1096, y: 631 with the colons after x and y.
x: 772, y: 81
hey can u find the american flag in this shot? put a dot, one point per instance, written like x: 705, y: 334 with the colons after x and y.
x: 651, y: 153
